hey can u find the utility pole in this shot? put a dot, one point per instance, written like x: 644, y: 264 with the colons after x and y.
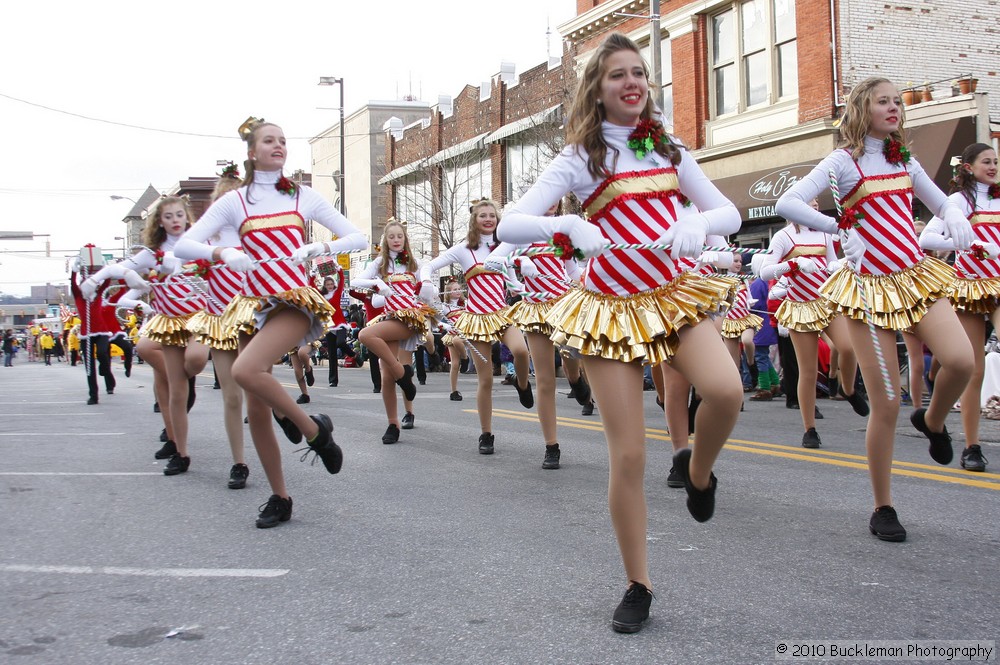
x: 656, y: 67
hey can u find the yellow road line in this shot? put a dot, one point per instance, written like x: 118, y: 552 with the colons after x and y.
x: 833, y: 458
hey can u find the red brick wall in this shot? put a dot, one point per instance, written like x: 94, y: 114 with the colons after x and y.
x: 812, y: 27
x: 690, y: 91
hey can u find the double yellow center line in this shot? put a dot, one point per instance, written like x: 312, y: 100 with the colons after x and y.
x: 943, y: 474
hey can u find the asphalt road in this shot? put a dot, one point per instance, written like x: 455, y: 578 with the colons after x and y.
x: 427, y: 552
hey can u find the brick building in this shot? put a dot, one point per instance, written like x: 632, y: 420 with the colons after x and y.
x: 752, y: 87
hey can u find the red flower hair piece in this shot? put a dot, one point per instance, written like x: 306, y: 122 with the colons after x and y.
x: 646, y: 136
x: 402, y: 258
x: 285, y: 186
x: 850, y: 219
x: 563, y: 248
x: 895, y: 152
x: 230, y: 171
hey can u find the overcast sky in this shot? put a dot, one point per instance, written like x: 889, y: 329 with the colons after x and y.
x: 200, y: 68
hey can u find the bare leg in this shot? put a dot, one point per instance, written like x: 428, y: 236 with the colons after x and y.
x: 195, y: 358
x: 675, y: 404
x: 975, y: 328
x: 252, y: 369
x: 378, y: 337
x: 389, y: 400
x: 543, y: 353
x: 658, y: 385
x: 915, y: 360
x: 299, y: 371
x: 806, y: 349
x: 943, y: 334
x: 177, y: 386
x: 702, y: 359
x: 152, y: 353
x: 847, y: 360
x: 262, y: 434
x: 458, y: 354
x: 232, y: 402
x: 619, y: 383
x: 514, y: 339
x: 881, y: 431
x: 484, y: 390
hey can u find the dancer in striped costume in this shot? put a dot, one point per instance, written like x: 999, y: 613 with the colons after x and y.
x: 806, y: 258
x: 393, y: 335
x: 977, y: 290
x: 224, y: 284
x: 740, y: 322
x: 548, y: 272
x: 278, y: 303
x: 164, y: 340
x: 454, y: 306
x: 636, y: 306
x: 902, y: 288
x: 485, y: 318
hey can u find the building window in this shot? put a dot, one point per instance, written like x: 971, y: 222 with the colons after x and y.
x: 754, y: 59
x: 525, y: 162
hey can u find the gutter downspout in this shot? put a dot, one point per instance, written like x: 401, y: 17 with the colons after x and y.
x: 837, y: 103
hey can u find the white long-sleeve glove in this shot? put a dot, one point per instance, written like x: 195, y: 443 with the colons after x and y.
x: 854, y: 247
x: 427, y: 292
x: 782, y: 331
x: 528, y: 267
x: 378, y: 301
x: 708, y: 259
x: 382, y: 288
x: 171, y: 265
x: 585, y: 236
x: 958, y: 227
x: 778, y: 291
x: 236, y: 260
x: 806, y: 265
x: 686, y: 237
x: 833, y: 266
x: 133, y: 281
x: 88, y: 289
x: 496, y: 264
x: 308, y: 252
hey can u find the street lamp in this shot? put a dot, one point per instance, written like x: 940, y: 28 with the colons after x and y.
x: 116, y: 197
x: 333, y: 80
x: 123, y: 239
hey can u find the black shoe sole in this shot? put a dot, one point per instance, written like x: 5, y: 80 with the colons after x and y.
x: 236, y: 486
x: 898, y: 538
x: 271, y: 523
x: 626, y: 627
x: 407, y: 425
x: 700, y: 503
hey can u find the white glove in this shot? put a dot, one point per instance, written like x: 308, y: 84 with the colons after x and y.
x: 958, y: 227
x: 427, y: 292
x: 378, y: 302
x: 528, y: 268
x: 496, y: 264
x: 514, y: 286
x: 171, y: 265
x: 854, y: 247
x: 88, y: 289
x: 585, y: 236
x: 133, y: 281
x: 782, y: 330
x: 992, y: 249
x: 686, y: 237
x: 752, y: 301
x: 806, y: 265
x: 708, y: 258
x: 308, y: 252
x: 236, y: 260
x: 833, y: 266
x: 382, y: 288
x: 144, y: 307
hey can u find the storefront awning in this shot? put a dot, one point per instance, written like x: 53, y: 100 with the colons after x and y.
x: 405, y: 170
x: 755, y: 194
x: 935, y: 144
x: 475, y: 143
x: 524, y: 124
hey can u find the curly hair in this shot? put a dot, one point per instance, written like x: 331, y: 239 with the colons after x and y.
x: 154, y: 235
x: 583, y: 128
x: 251, y: 139
x: 857, y: 119
x: 964, y: 181
x: 474, y: 238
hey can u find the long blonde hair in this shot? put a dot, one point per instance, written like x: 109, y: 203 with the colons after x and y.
x: 411, y: 263
x: 474, y: 238
x: 857, y: 119
x: 154, y: 235
x: 583, y: 128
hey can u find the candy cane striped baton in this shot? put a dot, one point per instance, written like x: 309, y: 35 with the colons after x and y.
x: 535, y: 251
x: 883, y: 368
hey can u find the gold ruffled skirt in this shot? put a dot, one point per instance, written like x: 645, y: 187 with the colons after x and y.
x: 809, y: 316
x: 976, y: 296
x: 167, y: 330
x: 733, y: 328
x: 210, y: 331
x: 487, y: 328
x: 532, y: 316
x: 414, y: 318
x: 897, y: 301
x: 248, y: 314
x: 640, y: 327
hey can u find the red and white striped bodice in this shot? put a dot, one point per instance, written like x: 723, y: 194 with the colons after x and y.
x: 173, y: 296
x: 404, y: 291
x: 273, y: 237
x: 487, y: 290
x: 887, y: 228
x: 740, y: 308
x: 224, y: 284
x: 803, y: 287
x: 634, y: 207
x: 551, y: 277
x: 986, y: 227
